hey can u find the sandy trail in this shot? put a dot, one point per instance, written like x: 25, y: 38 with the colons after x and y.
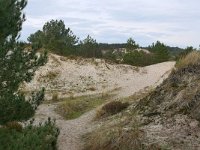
x: 71, y: 131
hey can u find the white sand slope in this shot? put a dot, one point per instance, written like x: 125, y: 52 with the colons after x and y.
x: 90, y: 76
x: 87, y: 76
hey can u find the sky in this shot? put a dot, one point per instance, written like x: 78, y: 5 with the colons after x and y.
x: 173, y: 22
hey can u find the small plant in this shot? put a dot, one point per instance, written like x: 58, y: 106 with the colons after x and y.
x: 51, y: 75
x: 72, y: 57
x: 92, y: 89
x: 55, y: 97
x: 62, y: 58
x: 71, y: 95
x: 14, y: 125
x: 111, y: 108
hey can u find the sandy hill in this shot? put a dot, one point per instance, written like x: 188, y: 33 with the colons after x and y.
x: 171, y: 113
x: 167, y: 118
x: 75, y: 77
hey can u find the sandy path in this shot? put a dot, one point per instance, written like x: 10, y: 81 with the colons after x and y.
x: 72, y: 130
x: 70, y: 138
x: 151, y: 76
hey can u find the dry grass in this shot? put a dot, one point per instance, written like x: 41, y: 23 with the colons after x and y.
x: 55, y: 97
x: 50, y: 75
x: 92, y: 89
x: 55, y: 60
x: 14, y: 126
x: 121, y: 135
x: 121, y: 131
x: 138, y: 95
x: 111, y: 108
x: 70, y: 57
x: 72, y: 108
x: 192, y: 58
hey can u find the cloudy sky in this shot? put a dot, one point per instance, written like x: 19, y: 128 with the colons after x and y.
x: 174, y: 22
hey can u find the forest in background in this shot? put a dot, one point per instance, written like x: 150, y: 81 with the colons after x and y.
x: 58, y: 39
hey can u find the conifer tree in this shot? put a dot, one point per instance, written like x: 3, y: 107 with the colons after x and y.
x: 16, y: 64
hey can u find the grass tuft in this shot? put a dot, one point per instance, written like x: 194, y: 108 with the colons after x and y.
x: 111, y: 108
x: 116, y: 136
x: 55, y: 97
x: 73, y: 108
x: 192, y: 58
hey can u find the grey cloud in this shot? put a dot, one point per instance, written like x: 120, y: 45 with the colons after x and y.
x: 116, y: 20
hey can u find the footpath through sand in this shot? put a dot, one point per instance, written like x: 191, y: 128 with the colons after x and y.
x: 71, y: 131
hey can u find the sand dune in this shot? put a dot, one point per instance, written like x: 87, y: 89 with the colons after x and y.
x: 89, y: 76
x: 70, y: 77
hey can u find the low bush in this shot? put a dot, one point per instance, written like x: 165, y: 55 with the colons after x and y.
x: 43, y: 137
x: 15, y: 108
x: 111, y: 108
x: 137, y: 58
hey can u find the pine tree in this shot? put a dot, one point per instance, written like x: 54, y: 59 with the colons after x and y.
x: 160, y: 51
x: 131, y: 44
x: 90, y: 48
x: 55, y: 37
x: 16, y: 64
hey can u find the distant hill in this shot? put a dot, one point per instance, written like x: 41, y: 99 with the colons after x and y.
x: 174, y: 51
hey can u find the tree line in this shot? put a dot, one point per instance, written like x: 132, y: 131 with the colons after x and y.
x: 61, y: 40
x: 58, y: 39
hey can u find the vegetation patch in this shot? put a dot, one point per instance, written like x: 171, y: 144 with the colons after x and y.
x: 55, y: 97
x: 74, y: 108
x: 122, y: 134
x: 51, y: 75
x: 111, y: 108
x: 92, y: 89
x: 14, y: 125
x: 192, y: 58
x: 43, y: 137
x: 121, y: 131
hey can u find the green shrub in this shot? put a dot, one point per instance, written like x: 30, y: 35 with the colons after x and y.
x: 16, y: 108
x: 34, y: 138
x: 160, y: 51
x: 139, y: 58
